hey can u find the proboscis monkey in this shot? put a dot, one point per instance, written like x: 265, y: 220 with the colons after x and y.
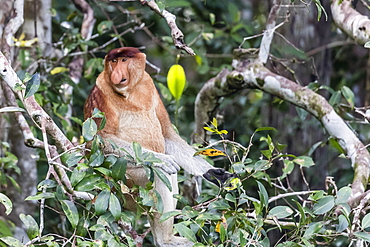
x: 135, y: 113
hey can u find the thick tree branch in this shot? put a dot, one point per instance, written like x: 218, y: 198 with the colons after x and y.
x: 350, y: 21
x: 250, y: 73
x: 33, y: 108
x: 177, y: 35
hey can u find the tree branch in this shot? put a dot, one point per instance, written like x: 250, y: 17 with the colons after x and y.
x: 250, y: 73
x: 177, y: 35
x: 350, y: 21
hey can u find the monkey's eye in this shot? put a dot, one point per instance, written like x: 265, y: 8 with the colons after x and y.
x: 124, y: 59
x: 114, y: 60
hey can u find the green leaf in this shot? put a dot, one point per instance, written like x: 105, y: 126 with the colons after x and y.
x: 70, y: 210
x: 119, y: 169
x: 162, y: 176
x: 114, y: 206
x: 185, y: 232
x: 137, y: 149
x: 343, y: 223
x: 46, y: 195
x: 32, y: 85
x: 264, y: 198
x: 264, y: 128
x: 363, y: 235
x: 77, y: 175
x: 165, y: 216
x: 348, y: 95
x: 312, y: 229
x: 96, y: 158
x: 288, y: 168
x: 335, y: 98
x: 304, y: 161
x: 7, y: 203
x: 343, y: 195
x: 176, y: 80
x: 262, y: 165
x: 32, y: 227
x: 101, y: 202
x: 73, y: 158
x: 11, y: 242
x: 89, y: 129
x: 221, y: 204
x: 281, y: 212
x: 104, y: 26
x: 324, y: 205
x: 365, y: 222
x: 47, y: 184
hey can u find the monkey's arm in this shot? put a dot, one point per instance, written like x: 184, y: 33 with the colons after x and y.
x: 168, y: 163
x: 184, y: 153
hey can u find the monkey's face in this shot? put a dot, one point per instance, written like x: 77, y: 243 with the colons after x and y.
x: 124, y: 68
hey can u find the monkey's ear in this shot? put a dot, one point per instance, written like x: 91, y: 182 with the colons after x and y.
x: 218, y: 176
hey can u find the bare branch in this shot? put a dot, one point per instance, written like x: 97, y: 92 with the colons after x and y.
x: 269, y: 33
x: 177, y: 35
x: 350, y: 21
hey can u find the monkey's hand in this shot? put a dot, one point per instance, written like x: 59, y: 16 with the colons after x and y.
x: 217, y: 176
x: 168, y: 163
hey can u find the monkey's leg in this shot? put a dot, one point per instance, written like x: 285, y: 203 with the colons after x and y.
x: 163, y: 231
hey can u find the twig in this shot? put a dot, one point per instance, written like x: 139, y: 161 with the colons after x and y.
x: 177, y: 35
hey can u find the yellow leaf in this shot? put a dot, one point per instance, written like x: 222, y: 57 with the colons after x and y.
x: 58, y: 70
x: 24, y: 43
x: 234, y: 184
x: 176, y: 80
x: 218, y: 225
x: 210, y: 152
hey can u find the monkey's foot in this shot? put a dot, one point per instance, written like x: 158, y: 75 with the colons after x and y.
x: 176, y: 241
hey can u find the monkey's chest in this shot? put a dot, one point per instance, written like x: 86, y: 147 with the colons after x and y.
x: 142, y: 127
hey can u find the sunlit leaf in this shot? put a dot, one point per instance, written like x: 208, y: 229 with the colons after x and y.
x: 176, y: 80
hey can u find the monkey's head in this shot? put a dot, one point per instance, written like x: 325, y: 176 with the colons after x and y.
x: 124, y: 67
